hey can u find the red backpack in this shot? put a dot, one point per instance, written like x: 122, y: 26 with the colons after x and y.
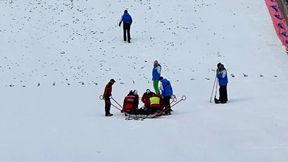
x: 129, y: 103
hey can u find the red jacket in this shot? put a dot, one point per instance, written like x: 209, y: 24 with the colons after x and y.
x: 129, y: 103
x: 145, y: 100
x: 108, y: 91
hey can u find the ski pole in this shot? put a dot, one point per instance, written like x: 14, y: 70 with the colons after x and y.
x: 213, y: 88
x: 216, y: 89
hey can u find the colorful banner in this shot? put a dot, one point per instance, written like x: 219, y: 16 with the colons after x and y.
x: 278, y: 21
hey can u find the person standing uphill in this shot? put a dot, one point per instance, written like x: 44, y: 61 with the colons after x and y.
x: 223, y: 81
x: 127, y: 21
x: 156, y: 73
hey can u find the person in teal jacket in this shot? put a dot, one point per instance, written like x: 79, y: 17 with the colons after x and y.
x: 156, y: 73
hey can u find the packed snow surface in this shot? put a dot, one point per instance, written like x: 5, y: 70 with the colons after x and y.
x: 56, y: 56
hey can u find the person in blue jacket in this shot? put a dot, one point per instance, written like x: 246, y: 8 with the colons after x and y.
x: 223, y: 81
x: 156, y: 73
x: 167, y: 93
x: 127, y: 21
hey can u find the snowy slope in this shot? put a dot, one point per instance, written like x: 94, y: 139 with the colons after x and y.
x: 57, y: 56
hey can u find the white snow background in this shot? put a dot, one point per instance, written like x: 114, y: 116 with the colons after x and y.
x: 56, y: 56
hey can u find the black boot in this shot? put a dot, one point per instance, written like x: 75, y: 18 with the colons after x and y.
x: 168, y: 112
x: 216, y: 101
x: 109, y: 115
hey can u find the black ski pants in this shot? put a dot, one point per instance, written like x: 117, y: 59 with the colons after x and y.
x: 107, y: 106
x: 126, y: 29
x: 166, y: 103
x: 223, y: 94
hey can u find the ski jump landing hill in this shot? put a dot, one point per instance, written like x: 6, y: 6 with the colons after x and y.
x: 56, y: 56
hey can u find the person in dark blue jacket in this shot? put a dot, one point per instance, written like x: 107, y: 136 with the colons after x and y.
x: 223, y: 81
x: 127, y: 21
x: 167, y: 92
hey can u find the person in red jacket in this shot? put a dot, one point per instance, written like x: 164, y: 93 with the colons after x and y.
x: 106, y: 96
x: 130, y: 104
x: 145, y: 98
